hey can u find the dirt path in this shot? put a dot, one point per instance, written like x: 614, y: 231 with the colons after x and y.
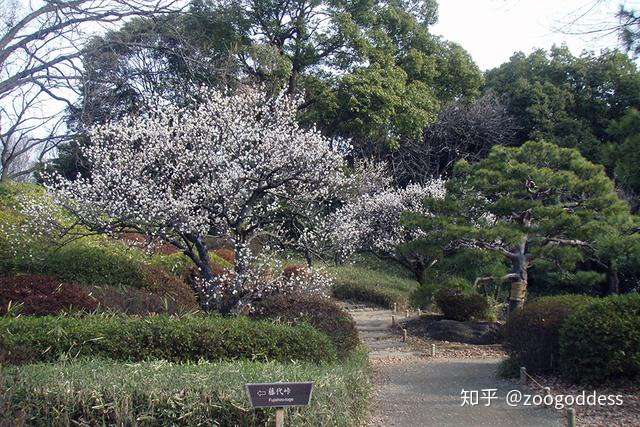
x: 413, y: 389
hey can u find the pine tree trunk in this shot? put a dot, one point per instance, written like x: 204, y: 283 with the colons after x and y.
x: 518, y: 292
x: 517, y: 296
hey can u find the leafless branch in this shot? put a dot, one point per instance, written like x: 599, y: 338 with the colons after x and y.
x: 40, y: 45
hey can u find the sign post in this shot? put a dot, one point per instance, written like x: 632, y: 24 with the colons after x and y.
x: 279, y: 396
x: 280, y: 417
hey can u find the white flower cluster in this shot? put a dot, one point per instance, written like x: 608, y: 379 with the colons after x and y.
x: 231, y: 160
x: 259, y: 283
x: 370, y: 177
x: 372, y: 222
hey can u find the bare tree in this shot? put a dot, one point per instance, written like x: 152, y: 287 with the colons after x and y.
x: 15, y: 160
x: 461, y: 132
x: 596, y: 20
x: 40, y: 45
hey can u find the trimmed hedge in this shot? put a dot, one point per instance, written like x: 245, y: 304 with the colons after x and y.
x: 113, y: 264
x: 159, y: 393
x: 601, y: 342
x: 93, y: 260
x: 322, y: 313
x: 532, y: 335
x: 456, y: 305
x: 98, y: 261
x: 47, y: 339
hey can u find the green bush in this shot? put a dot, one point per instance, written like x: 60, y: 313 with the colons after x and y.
x: 93, y: 260
x: 159, y: 393
x: 105, y: 263
x: 532, y: 335
x: 100, y: 262
x: 370, y: 294
x: 602, y: 341
x: 321, y: 313
x: 94, y: 263
x: 457, y: 305
x: 424, y: 295
x: 35, y: 339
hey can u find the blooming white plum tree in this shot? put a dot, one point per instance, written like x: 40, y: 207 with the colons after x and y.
x: 372, y: 222
x: 229, y: 165
x: 311, y: 229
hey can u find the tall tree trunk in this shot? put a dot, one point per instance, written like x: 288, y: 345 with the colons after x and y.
x: 204, y: 265
x: 520, y: 279
x: 308, y: 257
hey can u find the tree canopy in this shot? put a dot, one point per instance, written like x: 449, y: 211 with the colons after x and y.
x: 234, y: 167
x: 370, y: 71
x: 565, y: 99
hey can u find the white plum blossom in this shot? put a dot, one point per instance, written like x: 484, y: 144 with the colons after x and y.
x: 261, y: 283
x: 237, y: 166
x: 372, y: 222
x: 312, y: 227
x: 370, y: 177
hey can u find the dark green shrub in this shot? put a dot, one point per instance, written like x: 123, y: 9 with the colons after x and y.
x: 602, y: 341
x: 370, y: 294
x: 190, y: 338
x: 424, y: 295
x: 321, y: 313
x: 39, y: 295
x: 112, y: 264
x: 457, y: 305
x: 532, y: 335
x: 93, y: 263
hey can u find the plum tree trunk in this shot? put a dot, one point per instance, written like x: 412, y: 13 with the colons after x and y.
x: 204, y: 265
x: 308, y: 258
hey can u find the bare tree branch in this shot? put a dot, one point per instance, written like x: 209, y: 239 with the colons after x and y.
x: 40, y: 45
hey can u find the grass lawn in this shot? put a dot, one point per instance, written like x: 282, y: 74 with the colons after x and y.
x: 371, y: 280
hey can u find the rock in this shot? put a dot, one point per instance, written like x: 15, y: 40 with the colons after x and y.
x: 466, y: 332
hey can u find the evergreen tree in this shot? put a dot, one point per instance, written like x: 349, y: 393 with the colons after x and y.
x: 530, y: 204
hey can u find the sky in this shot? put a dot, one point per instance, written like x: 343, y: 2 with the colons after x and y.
x: 492, y: 30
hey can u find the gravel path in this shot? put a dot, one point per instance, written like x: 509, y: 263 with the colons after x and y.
x: 413, y: 389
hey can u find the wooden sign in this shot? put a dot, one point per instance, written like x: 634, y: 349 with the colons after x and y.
x: 279, y: 395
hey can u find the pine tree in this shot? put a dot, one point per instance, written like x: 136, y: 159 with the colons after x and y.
x: 529, y: 204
